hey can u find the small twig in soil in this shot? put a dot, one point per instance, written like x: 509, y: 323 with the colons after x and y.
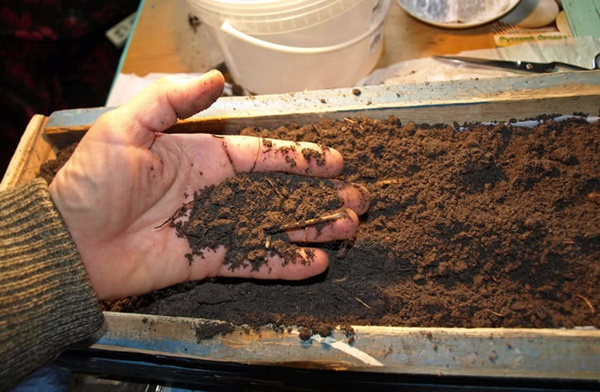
x: 495, y: 313
x: 345, y: 290
x: 388, y: 182
x: 587, y: 302
x: 179, y: 212
x: 360, y: 301
x: 340, y: 280
x: 309, y: 222
x: 316, y: 129
x: 275, y: 188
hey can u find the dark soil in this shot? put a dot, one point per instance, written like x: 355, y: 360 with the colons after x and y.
x: 249, y: 213
x: 492, y: 226
x: 49, y: 169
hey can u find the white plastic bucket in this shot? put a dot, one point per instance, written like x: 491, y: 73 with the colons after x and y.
x: 279, y: 46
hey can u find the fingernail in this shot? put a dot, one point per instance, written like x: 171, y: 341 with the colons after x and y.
x: 214, y: 72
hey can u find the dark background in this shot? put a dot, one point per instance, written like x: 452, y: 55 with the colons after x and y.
x: 55, y: 55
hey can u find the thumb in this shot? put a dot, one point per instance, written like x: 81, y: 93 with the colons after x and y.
x: 160, y: 106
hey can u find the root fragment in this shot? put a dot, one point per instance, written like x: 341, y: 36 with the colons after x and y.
x: 177, y: 214
x: 309, y: 222
x: 390, y: 181
x: 360, y: 301
x: 495, y: 313
x: 587, y: 302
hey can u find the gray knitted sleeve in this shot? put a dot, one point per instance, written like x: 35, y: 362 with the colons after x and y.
x: 46, y: 298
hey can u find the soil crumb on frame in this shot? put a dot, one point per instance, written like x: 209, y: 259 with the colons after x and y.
x: 469, y: 226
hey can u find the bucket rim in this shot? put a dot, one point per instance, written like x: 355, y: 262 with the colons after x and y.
x: 376, y: 25
x: 272, y: 16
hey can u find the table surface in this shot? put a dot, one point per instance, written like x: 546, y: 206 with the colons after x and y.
x: 164, y: 41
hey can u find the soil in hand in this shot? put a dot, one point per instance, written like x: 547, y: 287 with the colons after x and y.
x: 248, y: 214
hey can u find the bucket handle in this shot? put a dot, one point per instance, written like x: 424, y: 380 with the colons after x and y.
x: 232, y: 31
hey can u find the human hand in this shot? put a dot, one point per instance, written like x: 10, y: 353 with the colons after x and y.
x: 125, y: 178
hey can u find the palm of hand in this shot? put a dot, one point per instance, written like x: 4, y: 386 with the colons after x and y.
x: 124, y: 180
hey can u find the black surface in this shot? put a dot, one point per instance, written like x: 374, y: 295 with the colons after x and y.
x: 219, y: 376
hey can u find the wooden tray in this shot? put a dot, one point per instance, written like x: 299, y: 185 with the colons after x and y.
x: 539, y: 354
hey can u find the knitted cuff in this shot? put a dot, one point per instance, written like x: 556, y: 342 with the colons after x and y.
x: 46, y: 298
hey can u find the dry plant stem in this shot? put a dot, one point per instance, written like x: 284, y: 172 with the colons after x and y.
x: 360, y: 301
x: 587, y: 302
x: 388, y: 182
x: 316, y: 129
x: 179, y: 212
x: 275, y: 189
x: 310, y: 222
x: 495, y: 313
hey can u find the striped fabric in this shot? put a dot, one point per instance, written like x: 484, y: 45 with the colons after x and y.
x: 46, y: 299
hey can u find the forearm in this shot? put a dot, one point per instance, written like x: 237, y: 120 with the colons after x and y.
x: 46, y: 299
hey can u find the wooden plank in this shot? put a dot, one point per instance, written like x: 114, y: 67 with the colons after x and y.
x: 497, y: 99
x: 65, y: 127
x: 534, y: 353
x: 33, y: 150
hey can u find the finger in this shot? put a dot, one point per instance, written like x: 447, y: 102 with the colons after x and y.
x: 356, y: 200
x: 158, y: 107
x: 310, y: 262
x: 338, y: 229
x: 356, y: 197
x: 248, y: 154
